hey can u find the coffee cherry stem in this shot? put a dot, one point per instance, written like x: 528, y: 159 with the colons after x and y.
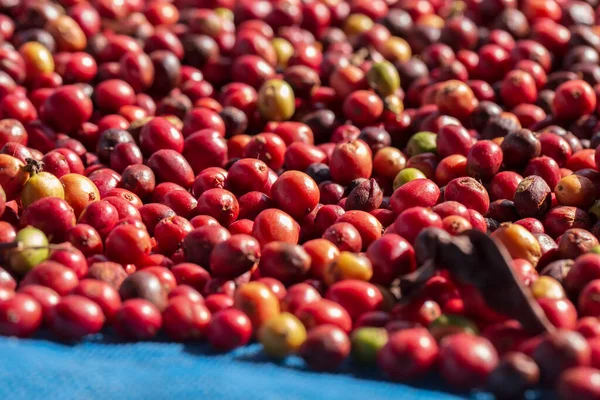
x: 17, y: 246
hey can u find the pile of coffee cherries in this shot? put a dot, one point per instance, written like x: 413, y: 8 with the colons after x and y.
x: 246, y: 170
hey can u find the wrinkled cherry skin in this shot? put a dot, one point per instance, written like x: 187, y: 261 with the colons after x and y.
x: 109, y: 272
x: 559, y: 219
x: 469, y: 192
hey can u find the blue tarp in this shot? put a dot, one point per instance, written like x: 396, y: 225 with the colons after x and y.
x: 103, y: 368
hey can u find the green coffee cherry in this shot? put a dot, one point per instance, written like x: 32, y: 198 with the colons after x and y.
x: 383, y: 78
x: 595, y: 209
x: 366, y: 343
x: 407, y: 175
x: 276, y: 101
x: 356, y: 24
x: 282, y: 335
x: 446, y: 325
x: 224, y: 13
x: 32, y: 250
x: 393, y: 104
x: 283, y: 51
x: 422, y: 142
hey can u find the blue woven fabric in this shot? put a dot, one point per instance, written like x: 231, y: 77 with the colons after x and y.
x: 101, y: 368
